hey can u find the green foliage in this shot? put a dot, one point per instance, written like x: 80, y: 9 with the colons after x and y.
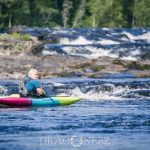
x: 80, y: 12
x: 75, y: 13
x: 24, y: 37
x: 131, y: 65
x: 67, y: 6
x: 138, y: 66
x: 128, y: 6
x: 142, y: 13
x: 90, y: 65
x: 97, y: 68
x: 81, y: 66
x: 118, y: 62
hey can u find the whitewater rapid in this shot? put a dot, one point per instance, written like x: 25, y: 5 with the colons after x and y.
x: 126, y: 44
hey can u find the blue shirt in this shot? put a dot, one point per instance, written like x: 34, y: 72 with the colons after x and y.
x: 32, y: 85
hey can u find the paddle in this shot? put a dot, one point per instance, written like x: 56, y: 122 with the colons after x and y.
x: 12, y: 95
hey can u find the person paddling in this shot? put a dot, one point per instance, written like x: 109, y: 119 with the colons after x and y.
x: 30, y: 86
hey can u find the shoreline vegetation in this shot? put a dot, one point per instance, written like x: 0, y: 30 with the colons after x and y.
x: 75, y: 13
x: 19, y: 52
x: 17, y: 55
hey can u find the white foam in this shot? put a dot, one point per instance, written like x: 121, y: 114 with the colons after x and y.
x: 60, y: 31
x: 130, y: 36
x: 114, y: 94
x: 107, y: 29
x: 107, y: 42
x: 47, y: 52
x: 69, y: 50
x: 95, y: 52
x: 79, y: 41
x: 129, y: 58
x: 133, y: 55
x: 83, y: 41
x: 92, y: 95
x: 145, y: 36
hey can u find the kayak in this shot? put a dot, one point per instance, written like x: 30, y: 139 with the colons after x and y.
x: 14, y: 101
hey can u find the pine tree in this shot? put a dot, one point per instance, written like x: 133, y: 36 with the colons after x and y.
x: 128, y: 6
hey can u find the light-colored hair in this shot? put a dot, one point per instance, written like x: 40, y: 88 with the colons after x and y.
x: 31, y: 71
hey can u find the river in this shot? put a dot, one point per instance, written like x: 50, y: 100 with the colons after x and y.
x: 114, y: 114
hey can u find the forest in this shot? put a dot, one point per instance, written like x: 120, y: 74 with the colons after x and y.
x: 75, y: 13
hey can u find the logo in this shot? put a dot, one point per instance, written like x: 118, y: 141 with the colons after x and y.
x: 76, y: 141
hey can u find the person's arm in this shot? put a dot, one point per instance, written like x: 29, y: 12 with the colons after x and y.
x: 39, y: 90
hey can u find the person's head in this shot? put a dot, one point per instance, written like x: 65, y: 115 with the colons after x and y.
x: 33, y: 74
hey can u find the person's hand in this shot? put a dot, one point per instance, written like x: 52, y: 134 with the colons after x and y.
x: 40, y: 91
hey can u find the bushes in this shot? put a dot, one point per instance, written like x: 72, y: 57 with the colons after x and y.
x: 24, y: 37
x: 131, y: 65
x: 137, y: 66
x: 89, y: 65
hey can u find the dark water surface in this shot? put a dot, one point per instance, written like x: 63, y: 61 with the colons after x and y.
x: 114, y: 114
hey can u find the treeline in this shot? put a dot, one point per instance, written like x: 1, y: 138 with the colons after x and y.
x: 75, y: 13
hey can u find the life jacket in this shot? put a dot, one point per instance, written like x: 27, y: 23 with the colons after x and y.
x: 22, y: 90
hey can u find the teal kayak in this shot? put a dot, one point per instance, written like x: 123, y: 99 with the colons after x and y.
x: 37, y: 102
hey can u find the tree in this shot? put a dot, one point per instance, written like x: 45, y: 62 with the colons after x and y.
x: 44, y: 12
x: 128, y: 6
x: 75, y: 13
x: 80, y: 12
x: 142, y: 13
x: 67, y: 6
x: 105, y: 13
x: 8, y: 9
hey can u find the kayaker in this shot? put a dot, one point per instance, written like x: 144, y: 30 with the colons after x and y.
x: 30, y: 86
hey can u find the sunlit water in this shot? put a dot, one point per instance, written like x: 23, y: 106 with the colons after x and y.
x: 113, y: 114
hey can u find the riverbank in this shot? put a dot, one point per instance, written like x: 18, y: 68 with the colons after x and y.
x: 19, y: 52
